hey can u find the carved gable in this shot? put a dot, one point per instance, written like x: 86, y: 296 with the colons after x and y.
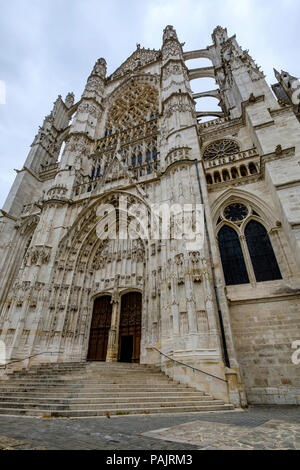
x: 138, y: 59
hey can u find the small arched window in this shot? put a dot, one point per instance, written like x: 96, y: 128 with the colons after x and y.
x: 234, y: 173
x: 233, y: 263
x: 217, y: 177
x: 209, y: 179
x: 243, y: 170
x: 226, y: 176
x: 252, y: 168
x: 263, y: 259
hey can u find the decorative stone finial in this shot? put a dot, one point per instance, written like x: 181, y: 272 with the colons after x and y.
x: 69, y: 101
x: 219, y: 35
x: 100, y: 67
x: 169, y: 33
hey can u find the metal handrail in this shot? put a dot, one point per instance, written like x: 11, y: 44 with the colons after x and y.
x: 28, y: 357
x: 191, y: 367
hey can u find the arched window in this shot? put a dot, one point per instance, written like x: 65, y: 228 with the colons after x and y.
x: 217, y: 177
x: 243, y: 170
x: 226, y: 176
x: 234, y: 267
x: 263, y: 259
x: 209, y: 179
x: 234, y: 173
x: 248, y: 237
x: 252, y: 168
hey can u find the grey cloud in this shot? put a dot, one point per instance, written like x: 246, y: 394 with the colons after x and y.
x: 48, y: 47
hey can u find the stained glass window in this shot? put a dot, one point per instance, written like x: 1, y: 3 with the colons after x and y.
x: 263, y: 259
x: 221, y: 148
x: 233, y: 263
x: 236, y: 212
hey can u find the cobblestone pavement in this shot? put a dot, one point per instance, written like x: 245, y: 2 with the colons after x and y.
x: 258, y: 427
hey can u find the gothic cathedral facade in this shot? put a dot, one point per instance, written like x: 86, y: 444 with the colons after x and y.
x: 230, y: 308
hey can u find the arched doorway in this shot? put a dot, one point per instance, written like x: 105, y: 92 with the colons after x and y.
x: 130, y: 327
x: 100, y: 329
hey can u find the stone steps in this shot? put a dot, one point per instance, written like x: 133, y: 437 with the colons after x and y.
x: 98, y: 395
x: 102, y: 406
x: 113, y: 411
x: 78, y: 389
x: 98, y: 389
x: 102, y: 400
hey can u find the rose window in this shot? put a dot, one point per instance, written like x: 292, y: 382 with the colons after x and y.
x: 221, y: 148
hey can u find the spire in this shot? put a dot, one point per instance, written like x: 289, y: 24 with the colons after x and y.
x: 95, y: 83
x: 169, y: 33
x: 100, y: 68
x: 171, y: 48
x: 69, y: 100
x: 219, y: 35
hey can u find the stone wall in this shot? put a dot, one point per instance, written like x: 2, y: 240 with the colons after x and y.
x: 264, y: 331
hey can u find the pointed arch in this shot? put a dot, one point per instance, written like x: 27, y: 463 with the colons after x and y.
x: 261, y: 252
x: 232, y: 195
x: 234, y: 267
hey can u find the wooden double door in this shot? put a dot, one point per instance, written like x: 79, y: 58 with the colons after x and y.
x: 100, y: 327
x: 129, y: 339
x: 130, y: 327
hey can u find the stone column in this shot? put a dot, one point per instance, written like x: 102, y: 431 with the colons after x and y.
x: 113, y: 339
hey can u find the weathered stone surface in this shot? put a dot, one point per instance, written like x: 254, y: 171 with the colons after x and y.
x: 136, y: 134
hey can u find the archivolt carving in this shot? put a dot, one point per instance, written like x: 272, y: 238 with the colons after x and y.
x: 37, y: 255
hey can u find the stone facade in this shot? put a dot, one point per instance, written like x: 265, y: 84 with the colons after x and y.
x: 137, y: 134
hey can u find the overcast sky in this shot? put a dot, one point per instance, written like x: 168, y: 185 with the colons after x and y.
x: 48, y: 47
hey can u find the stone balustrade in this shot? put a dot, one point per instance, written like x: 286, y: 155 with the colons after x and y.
x: 232, y: 167
x: 231, y: 158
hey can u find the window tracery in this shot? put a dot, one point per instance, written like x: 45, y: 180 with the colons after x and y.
x: 221, y: 148
x: 245, y: 246
x: 136, y: 105
x: 131, y: 130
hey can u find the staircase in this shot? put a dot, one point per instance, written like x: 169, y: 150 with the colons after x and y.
x: 98, y: 389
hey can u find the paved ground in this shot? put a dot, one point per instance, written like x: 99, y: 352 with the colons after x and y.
x: 258, y: 427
